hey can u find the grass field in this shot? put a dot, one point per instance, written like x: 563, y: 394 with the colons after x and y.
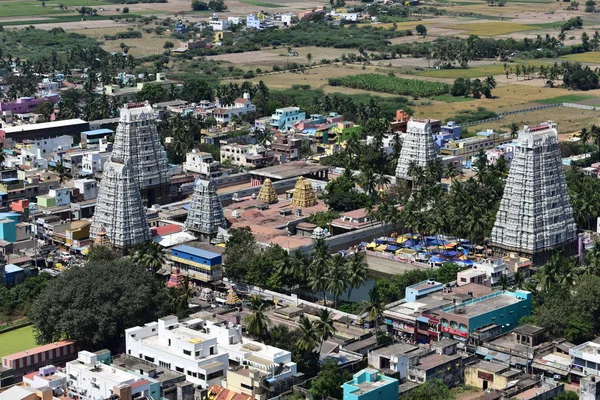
x: 261, y: 4
x: 63, y: 19
x: 498, y: 28
x: 567, y: 98
x: 17, y: 340
x: 35, y: 8
x: 448, y: 98
x: 400, y: 25
x: 591, y: 57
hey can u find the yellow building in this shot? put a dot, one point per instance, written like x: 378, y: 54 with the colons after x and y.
x: 222, y: 35
x: 77, y: 231
x: 488, y: 375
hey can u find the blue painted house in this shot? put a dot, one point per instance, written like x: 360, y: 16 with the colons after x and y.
x: 198, y: 264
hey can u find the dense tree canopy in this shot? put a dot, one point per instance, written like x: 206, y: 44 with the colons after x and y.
x: 95, y: 304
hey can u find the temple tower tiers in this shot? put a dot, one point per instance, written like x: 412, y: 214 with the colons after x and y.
x: 206, y: 214
x: 120, y: 215
x: 535, y: 215
x: 417, y: 146
x: 304, y: 195
x: 137, y: 139
x: 267, y: 193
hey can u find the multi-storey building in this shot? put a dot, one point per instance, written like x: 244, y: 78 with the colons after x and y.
x: 285, y: 118
x: 204, y: 350
x: 224, y: 113
x: 246, y: 155
x: 201, y: 163
x: 25, y: 105
x: 535, y: 216
x: 197, y: 264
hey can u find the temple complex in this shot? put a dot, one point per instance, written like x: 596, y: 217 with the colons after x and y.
x: 417, y: 147
x: 120, y: 216
x: 535, y: 216
x: 304, y: 195
x: 137, y: 139
x: 267, y: 192
x: 206, y: 214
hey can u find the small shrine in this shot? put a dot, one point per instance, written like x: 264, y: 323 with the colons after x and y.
x: 232, y: 298
x: 304, y: 195
x: 102, y: 238
x: 267, y: 192
x: 177, y: 280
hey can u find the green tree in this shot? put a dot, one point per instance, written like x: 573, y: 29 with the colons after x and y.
x: 150, y: 255
x: 125, y: 10
x: 168, y: 45
x: 431, y: 390
x: 567, y: 395
x: 421, y: 30
x: 324, y: 327
x: 329, y: 381
x: 238, y: 255
x: 336, y: 277
x: 308, y: 335
x: 151, y: 92
x: 197, y: 90
x: 46, y: 109
x: 198, y: 5
x: 357, y: 272
x: 94, y: 305
x: 257, y: 323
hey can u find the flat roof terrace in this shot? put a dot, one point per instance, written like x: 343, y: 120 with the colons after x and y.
x: 483, y: 305
x: 289, y: 170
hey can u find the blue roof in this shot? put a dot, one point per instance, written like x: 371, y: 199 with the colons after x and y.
x: 99, y: 132
x: 12, y: 268
x: 9, y: 214
x: 196, y: 251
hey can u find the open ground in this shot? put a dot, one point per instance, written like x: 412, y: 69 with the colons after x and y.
x: 17, y: 340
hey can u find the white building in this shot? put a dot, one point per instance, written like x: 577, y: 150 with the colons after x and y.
x: 188, y: 347
x: 91, y: 379
x: 42, y: 148
x: 46, y: 377
x: 218, y: 24
x: 235, y: 20
x: 93, y: 162
x: 204, y: 350
x: 87, y: 187
x: 494, y: 268
x: 201, y: 163
x: 62, y: 196
x: 246, y: 155
x: 241, y: 106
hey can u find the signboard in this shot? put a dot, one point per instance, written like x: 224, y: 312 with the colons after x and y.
x: 485, y: 376
x: 456, y: 332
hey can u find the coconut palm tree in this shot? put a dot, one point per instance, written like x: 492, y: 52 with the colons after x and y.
x: 257, y: 323
x: 324, y: 327
x: 373, y: 308
x: 356, y: 272
x: 308, y: 335
x: 451, y: 172
x: 151, y: 255
x: 503, y: 282
x: 336, y: 277
x: 518, y: 280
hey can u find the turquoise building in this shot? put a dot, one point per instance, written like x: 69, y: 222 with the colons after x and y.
x: 8, y: 226
x: 370, y: 384
x: 502, y: 308
x: 285, y: 118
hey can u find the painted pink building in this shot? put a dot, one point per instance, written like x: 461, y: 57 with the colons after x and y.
x: 27, y: 104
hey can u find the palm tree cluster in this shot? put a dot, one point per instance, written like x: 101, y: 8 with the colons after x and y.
x: 316, y: 332
x: 334, y: 274
x: 584, y: 192
x: 150, y: 255
x: 467, y: 209
x: 346, y: 106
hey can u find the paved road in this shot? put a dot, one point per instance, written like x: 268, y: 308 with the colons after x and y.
x: 389, y: 267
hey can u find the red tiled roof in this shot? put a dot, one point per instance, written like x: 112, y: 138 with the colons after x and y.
x: 216, y: 392
x: 38, y: 350
x: 139, y: 383
x: 166, y: 230
x: 240, y: 100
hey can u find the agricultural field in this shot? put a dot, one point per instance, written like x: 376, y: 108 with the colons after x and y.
x: 17, y: 340
x: 567, y: 98
x: 592, y: 57
x: 261, y: 4
x: 479, y: 71
x: 489, y: 28
x: 392, y: 85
